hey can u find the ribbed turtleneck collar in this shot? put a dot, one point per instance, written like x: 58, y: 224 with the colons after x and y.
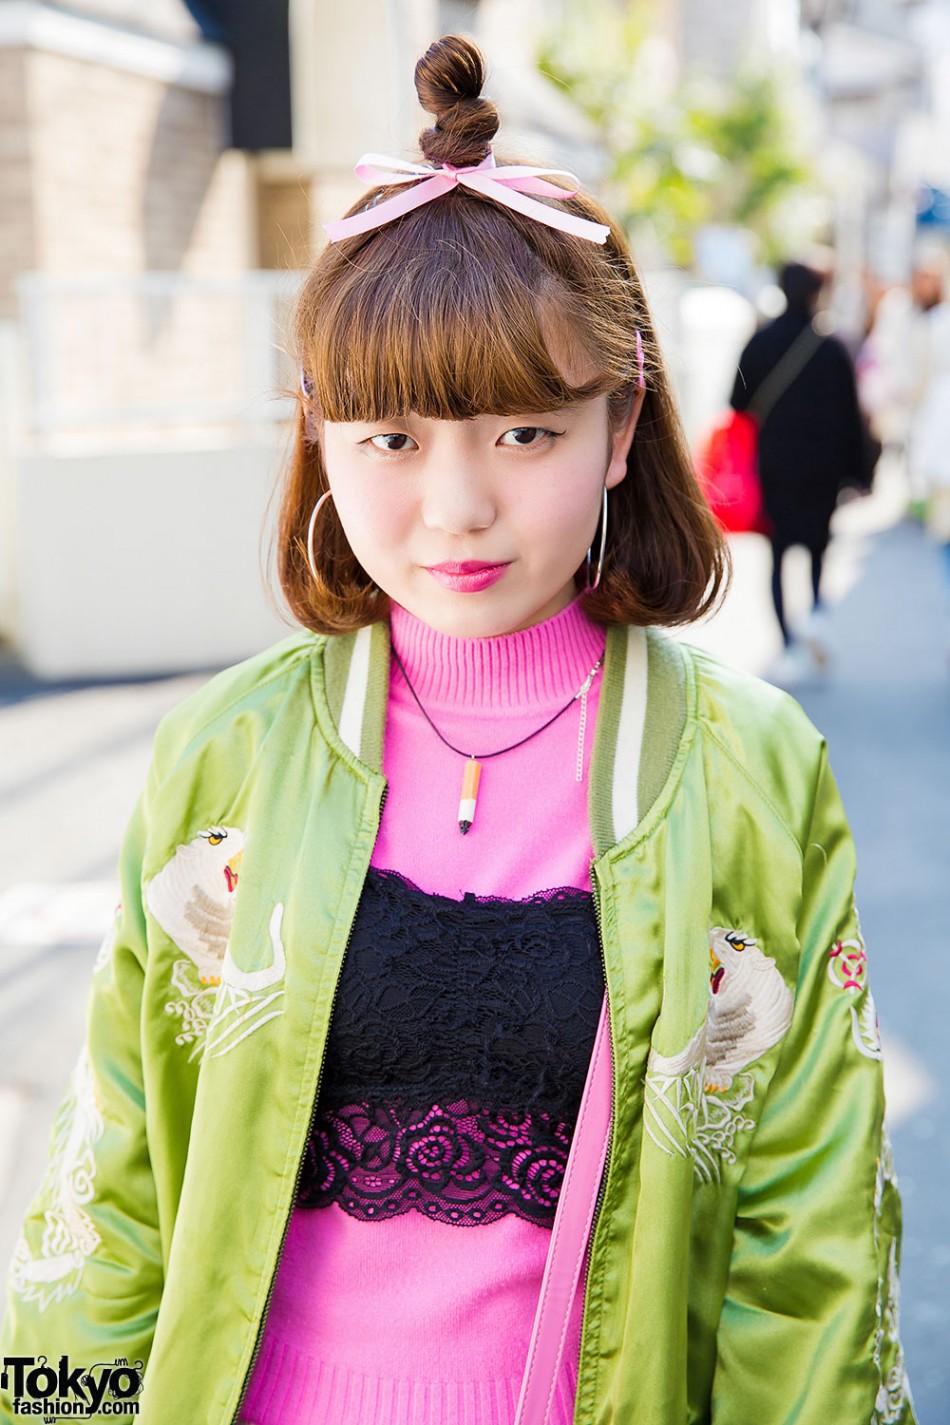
x: 538, y: 666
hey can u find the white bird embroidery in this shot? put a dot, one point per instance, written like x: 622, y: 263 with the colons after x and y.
x: 750, y: 1008
x: 192, y: 897
x: 69, y: 1235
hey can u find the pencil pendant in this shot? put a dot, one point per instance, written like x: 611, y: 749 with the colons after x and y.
x: 473, y: 772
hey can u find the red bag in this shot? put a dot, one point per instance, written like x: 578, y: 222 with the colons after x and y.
x: 727, y: 471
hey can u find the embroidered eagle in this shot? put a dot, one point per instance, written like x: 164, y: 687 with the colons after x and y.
x: 750, y: 1008
x: 192, y: 897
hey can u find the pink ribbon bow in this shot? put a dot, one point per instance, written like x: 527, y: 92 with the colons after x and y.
x: 509, y: 186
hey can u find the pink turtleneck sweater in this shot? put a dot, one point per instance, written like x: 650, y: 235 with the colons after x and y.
x: 412, y: 1321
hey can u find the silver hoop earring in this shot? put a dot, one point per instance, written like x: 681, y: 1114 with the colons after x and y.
x: 591, y: 586
x: 310, y: 528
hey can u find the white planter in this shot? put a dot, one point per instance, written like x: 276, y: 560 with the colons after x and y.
x: 143, y: 563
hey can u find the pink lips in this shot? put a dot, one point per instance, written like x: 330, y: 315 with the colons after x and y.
x: 468, y: 577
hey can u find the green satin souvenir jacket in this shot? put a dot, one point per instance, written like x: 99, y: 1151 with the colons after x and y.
x: 745, y: 1253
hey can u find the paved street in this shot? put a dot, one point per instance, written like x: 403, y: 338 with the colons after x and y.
x: 71, y: 762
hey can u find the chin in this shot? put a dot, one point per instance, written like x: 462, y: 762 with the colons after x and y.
x: 482, y: 623
x: 481, y: 615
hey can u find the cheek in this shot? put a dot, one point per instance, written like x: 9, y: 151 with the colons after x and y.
x: 374, y: 513
x: 563, y: 514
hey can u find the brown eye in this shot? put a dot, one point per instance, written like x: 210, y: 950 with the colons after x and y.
x: 523, y: 435
x: 392, y: 443
x: 526, y: 437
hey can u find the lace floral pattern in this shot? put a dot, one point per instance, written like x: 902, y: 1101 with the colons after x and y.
x: 457, y: 1055
x: 457, y: 1164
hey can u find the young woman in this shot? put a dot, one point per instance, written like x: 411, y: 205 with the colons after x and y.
x: 382, y: 875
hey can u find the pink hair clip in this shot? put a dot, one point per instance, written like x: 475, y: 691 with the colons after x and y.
x: 641, y: 379
x: 509, y: 185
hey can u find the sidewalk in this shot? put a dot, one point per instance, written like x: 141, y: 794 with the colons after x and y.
x: 72, y: 762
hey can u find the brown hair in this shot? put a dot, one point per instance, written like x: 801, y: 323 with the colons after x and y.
x: 463, y: 307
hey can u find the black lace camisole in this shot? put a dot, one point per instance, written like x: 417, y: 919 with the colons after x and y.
x: 457, y: 1055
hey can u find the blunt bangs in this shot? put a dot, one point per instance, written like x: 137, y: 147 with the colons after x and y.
x: 449, y: 318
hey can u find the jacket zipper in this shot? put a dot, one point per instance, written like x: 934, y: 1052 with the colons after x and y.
x: 313, y: 1114
x: 610, y: 1139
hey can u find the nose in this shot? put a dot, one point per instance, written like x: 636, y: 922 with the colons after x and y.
x: 457, y: 498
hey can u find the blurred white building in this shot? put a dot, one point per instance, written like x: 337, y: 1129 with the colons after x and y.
x: 131, y: 320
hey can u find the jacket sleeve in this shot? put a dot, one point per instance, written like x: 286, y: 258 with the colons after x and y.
x: 809, y: 1330
x: 86, y: 1276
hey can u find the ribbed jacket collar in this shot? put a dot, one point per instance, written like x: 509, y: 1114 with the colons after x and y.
x: 643, y: 720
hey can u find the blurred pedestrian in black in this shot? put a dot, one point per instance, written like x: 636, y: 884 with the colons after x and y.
x: 800, y: 385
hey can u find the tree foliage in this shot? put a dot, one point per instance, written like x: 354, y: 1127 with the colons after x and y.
x: 682, y: 153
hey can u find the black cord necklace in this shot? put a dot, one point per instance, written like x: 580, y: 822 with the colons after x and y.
x: 474, y: 760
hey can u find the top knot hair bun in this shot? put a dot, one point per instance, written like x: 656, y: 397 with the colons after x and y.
x: 449, y: 79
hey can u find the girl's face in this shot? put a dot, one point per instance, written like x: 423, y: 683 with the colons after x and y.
x: 477, y: 527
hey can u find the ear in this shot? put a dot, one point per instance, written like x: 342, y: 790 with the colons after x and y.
x: 621, y: 440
